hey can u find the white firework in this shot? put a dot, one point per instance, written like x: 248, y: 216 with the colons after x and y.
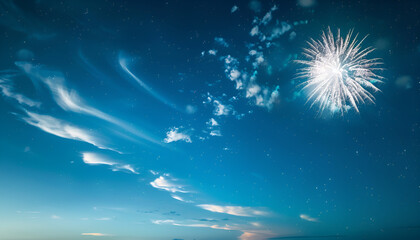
x: 337, y: 74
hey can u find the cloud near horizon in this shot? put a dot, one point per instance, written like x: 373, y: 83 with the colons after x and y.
x: 234, y: 210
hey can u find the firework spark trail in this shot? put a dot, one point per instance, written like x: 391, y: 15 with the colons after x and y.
x: 338, y: 74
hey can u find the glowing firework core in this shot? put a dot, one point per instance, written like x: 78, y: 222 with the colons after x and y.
x: 338, y: 75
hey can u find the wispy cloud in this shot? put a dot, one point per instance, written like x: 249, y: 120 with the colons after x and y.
x: 55, y: 217
x: 234, y: 210
x: 62, y: 129
x: 249, y: 231
x: 7, y: 91
x: 194, y: 224
x: 124, y: 64
x: 256, y: 235
x: 95, y: 234
x: 99, y: 159
x: 174, y: 135
x: 308, y: 218
x: 168, y: 183
x: 69, y: 100
x: 179, y: 198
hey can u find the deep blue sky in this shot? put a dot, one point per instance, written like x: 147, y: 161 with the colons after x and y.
x: 180, y: 120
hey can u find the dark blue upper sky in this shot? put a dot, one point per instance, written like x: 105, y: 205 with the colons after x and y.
x: 186, y: 120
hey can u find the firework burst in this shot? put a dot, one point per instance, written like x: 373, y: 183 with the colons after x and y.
x: 337, y: 74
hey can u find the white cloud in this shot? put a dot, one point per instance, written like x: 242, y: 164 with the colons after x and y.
x: 62, y: 129
x: 180, y: 198
x: 213, y: 52
x: 233, y: 210
x: 256, y: 235
x: 7, y: 91
x: 279, y: 31
x: 263, y: 97
x: 168, y: 183
x: 249, y: 232
x: 99, y: 159
x: 254, y: 31
x: 212, y: 122
x: 173, y: 135
x: 252, y: 90
x: 95, y: 234
x: 195, y: 224
x: 234, y: 74
x: 308, y: 218
x: 221, y: 109
x: 103, y: 219
x: 216, y: 133
x: 55, y: 217
x: 69, y: 99
x: 268, y: 16
x: 124, y: 64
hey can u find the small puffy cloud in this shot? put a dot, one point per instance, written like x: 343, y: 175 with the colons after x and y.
x: 212, y: 122
x: 168, y: 183
x: 99, y: 159
x: 55, y: 217
x: 221, y: 41
x: 213, y: 52
x: 308, y: 218
x: 233, y: 210
x: 234, y: 9
x: 215, y: 133
x: 95, y: 234
x: 173, y: 135
x: 254, y: 31
x: 252, y: 90
x: 279, y: 31
x: 234, y: 74
x: 268, y: 16
x: 404, y: 81
x: 220, y: 109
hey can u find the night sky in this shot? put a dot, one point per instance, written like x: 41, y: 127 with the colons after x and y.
x: 167, y: 120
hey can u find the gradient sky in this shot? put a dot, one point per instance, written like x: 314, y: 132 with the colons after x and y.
x: 185, y: 120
